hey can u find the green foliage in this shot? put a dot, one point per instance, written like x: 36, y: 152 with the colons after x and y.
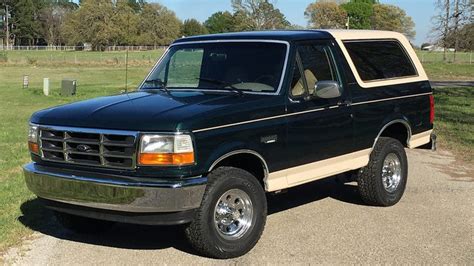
x: 360, y: 13
x: 102, y: 23
x: 389, y: 17
x: 136, y: 5
x: 91, y: 23
x: 258, y: 15
x: 157, y: 25
x: 326, y: 15
x: 220, y: 22
x: 193, y: 27
x: 125, y: 24
x: 465, y: 38
x: 26, y: 28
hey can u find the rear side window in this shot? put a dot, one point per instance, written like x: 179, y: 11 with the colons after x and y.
x: 376, y: 60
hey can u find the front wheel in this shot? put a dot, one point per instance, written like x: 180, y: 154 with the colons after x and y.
x: 382, y: 182
x: 232, y: 215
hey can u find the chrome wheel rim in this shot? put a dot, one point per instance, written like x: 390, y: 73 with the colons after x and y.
x: 391, y: 172
x: 233, y: 214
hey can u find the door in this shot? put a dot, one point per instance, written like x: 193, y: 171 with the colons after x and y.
x: 318, y: 130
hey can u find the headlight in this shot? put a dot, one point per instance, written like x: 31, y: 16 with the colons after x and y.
x: 33, y: 139
x: 166, y: 150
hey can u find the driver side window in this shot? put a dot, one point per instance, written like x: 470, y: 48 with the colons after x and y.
x: 314, y: 62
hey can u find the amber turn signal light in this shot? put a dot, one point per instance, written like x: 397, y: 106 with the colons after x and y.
x: 166, y: 158
x: 33, y: 147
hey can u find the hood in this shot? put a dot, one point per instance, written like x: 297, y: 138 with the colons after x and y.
x: 156, y: 111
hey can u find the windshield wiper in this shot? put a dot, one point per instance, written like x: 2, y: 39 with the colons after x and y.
x: 160, y: 83
x: 231, y: 88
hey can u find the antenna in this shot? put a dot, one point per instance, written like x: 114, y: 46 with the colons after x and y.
x: 126, y: 71
x: 126, y: 55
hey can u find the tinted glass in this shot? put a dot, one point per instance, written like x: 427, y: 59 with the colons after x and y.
x: 317, y: 64
x: 246, y: 66
x: 380, y: 60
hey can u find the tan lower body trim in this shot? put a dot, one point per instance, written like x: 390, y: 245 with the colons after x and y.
x: 420, y: 139
x: 313, y: 171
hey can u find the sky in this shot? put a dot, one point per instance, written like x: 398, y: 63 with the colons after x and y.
x: 420, y: 10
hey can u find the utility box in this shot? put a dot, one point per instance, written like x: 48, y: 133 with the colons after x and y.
x: 68, y: 87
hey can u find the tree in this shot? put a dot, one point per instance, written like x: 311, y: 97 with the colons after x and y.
x: 25, y: 26
x: 136, y: 5
x: 464, y: 38
x: 52, y: 17
x: 393, y: 18
x: 441, y: 23
x: 220, y: 22
x: 125, y: 24
x: 360, y: 13
x: 259, y: 15
x: 193, y: 27
x: 325, y: 15
x: 453, y: 15
x: 91, y: 23
x: 158, y: 25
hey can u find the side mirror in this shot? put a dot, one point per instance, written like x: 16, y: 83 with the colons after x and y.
x: 327, y: 89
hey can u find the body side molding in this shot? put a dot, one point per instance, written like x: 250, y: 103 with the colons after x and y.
x: 301, y: 174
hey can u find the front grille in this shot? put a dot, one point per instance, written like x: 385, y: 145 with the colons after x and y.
x: 102, y: 148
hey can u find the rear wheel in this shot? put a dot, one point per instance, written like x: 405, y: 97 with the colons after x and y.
x: 82, y: 225
x: 232, y: 215
x: 382, y: 182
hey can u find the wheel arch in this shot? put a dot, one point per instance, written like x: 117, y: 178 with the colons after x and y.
x: 237, y: 158
x: 392, y: 129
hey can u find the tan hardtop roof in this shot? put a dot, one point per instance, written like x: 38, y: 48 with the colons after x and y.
x: 347, y: 35
x: 365, y: 34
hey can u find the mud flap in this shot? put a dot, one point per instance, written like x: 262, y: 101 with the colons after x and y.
x: 430, y: 145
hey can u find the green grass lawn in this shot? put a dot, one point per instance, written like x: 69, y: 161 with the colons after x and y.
x: 454, y: 120
x: 455, y: 124
x: 443, y: 71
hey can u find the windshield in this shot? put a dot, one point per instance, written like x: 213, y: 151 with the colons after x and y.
x: 237, y: 66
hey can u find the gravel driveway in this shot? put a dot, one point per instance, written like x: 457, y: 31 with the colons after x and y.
x: 323, y: 222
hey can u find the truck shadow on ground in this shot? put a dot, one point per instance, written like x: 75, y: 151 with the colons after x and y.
x: 127, y: 236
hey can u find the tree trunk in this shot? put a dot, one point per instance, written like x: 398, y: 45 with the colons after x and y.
x: 456, y: 26
x: 446, y: 28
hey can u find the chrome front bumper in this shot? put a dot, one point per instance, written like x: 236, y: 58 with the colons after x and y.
x: 114, y: 192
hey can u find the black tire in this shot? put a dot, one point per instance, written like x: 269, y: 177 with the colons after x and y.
x: 82, y: 225
x: 369, y: 178
x: 202, y: 232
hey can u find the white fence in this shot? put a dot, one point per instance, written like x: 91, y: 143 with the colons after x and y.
x: 79, y: 48
x: 451, y: 57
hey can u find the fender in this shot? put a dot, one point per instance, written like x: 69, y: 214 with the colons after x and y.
x: 403, y: 121
x: 244, y: 151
